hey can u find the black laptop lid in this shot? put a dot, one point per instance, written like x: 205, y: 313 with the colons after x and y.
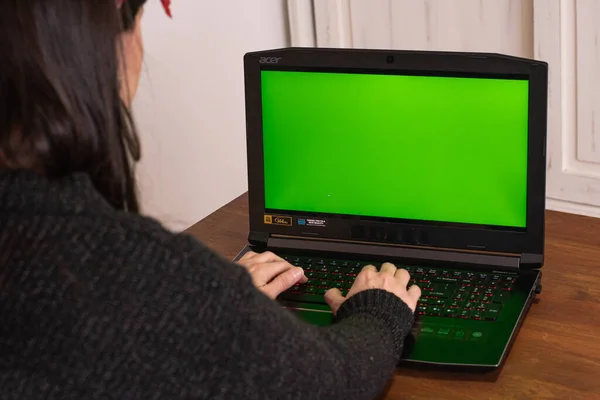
x: 415, y: 148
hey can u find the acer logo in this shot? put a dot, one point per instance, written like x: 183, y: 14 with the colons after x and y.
x: 269, y: 60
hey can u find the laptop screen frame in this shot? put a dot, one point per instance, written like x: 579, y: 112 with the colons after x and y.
x: 386, y: 230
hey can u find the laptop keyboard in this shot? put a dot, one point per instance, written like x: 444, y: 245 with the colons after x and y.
x: 446, y: 293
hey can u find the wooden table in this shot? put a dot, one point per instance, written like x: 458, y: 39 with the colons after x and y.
x: 557, y: 352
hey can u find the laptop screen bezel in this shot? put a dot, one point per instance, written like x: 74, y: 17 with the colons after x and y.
x: 404, y: 232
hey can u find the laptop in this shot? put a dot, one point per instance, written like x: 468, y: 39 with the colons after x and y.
x: 434, y: 161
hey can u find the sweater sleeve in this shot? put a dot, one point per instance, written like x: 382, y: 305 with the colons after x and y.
x: 237, y: 343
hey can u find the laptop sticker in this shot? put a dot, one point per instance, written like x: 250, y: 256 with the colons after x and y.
x: 312, y: 222
x: 278, y: 220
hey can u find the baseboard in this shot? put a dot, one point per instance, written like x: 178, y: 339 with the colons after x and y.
x: 572, y: 208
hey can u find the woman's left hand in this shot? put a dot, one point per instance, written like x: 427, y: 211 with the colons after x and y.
x: 271, y: 274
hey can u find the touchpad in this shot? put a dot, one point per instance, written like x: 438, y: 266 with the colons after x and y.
x: 315, y: 317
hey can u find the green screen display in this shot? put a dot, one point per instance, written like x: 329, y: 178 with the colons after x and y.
x: 430, y: 148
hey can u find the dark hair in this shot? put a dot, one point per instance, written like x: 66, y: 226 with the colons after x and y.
x: 129, y: 11
x: 60, y: 105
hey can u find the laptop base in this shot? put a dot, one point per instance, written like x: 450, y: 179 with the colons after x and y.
x: 449, y: 343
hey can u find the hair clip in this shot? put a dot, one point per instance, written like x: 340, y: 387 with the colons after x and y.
x: 167, y: 6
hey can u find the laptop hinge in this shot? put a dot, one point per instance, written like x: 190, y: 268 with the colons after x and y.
x: 506, y: 262
x: 532, y: 261
x: 258, y: 238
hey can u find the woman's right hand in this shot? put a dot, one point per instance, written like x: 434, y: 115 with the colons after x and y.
x: 388, y: 278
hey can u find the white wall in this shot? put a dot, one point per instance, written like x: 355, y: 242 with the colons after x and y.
x: 190, y: 105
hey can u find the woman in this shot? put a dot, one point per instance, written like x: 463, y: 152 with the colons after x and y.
x: 97, y: 301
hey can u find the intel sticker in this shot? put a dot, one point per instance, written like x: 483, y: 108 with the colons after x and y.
x: 316, y: 222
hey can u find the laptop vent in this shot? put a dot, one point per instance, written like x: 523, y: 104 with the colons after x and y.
x: 408, y: 236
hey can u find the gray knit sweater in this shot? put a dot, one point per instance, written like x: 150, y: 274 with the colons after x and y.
x: 101, y: 304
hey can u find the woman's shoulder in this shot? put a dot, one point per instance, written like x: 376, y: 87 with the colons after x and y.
x: 81, y: 282
x: 82, y: 251
x: 71, y: 213
x: 138, y: 239
x: 65, y: 222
